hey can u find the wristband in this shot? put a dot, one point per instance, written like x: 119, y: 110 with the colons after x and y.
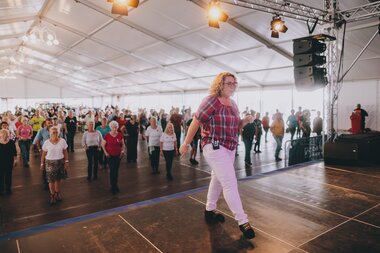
x: 66, y: 161
x: 42, y: 164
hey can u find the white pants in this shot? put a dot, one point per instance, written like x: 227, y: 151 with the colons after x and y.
x: 223, y: 177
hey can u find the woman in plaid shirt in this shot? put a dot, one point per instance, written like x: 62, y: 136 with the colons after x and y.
x: 219, y: 117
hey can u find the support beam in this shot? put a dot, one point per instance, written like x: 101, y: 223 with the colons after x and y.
x: 362, y: 12
x: 283, y: 7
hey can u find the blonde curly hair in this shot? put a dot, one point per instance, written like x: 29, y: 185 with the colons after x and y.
x: 217, y: 84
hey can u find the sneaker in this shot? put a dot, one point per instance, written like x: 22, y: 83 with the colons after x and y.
x: 278, y: 159
x: 195, y: 162
x: 247, y: 230
x: 211, y: 217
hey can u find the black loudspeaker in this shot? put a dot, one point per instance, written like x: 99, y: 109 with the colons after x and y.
x: 341, y: 153
x: 310, y: 78
x: 308, y: 62
x: 304, y: 46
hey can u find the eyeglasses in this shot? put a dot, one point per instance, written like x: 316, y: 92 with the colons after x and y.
x: 232, y: 84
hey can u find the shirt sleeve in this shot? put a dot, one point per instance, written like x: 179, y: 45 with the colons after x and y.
x: 64, y: 144
x: 100, y: 138
x: 206, y: 109
x: 44, y: 146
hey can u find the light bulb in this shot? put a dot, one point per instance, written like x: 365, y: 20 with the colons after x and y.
x: 50, y: 36
x: 25, y: 38
x: 214, y: 13
x: 56, y: 42
x: 49, y: 43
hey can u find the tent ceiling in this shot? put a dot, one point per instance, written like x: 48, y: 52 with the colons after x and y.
x: 163, y: 46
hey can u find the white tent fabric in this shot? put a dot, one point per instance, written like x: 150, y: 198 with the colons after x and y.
x: 161, y: 46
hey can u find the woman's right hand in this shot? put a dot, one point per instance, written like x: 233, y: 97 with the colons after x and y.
x: 183, y: 149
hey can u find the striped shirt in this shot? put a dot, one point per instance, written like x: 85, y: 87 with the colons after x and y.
x: 219, y: 122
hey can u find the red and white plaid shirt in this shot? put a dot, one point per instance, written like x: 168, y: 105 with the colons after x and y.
x: 220, y: 122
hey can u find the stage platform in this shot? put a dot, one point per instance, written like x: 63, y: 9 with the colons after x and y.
x: 312, y: 208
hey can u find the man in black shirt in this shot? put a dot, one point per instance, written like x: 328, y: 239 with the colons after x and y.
x: 247, y: 133
x: 70, y: 125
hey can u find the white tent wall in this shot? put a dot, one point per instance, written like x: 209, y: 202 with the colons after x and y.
x: 366, y: 93
x: 22, y: 87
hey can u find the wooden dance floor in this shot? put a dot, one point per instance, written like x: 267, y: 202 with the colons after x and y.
x: 313, y: 208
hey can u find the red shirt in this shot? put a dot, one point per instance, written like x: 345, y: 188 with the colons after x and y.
x: 18, y: 124
x: 114, y: 144
x: 265, y: 122
x: 220, y: 122
x: 121, y: 123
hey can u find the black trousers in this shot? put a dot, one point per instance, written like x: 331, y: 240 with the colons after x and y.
x: 257, y: 143
x: 92, y: 160
x: 6, y: 177
x: 178, y: 136
x: 114, y: 163
x: 292, y: 131
x: 155, y: 158
x: 169, y: 154
x: 70, y: 140
x: 248, y: 148
x: 132, y: 148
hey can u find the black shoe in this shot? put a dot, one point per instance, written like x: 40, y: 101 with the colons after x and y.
x: 113, y: 191
x: 278, y: 159
x: 195, y: 162
x: 169, y: 177
x: 211, y: 217
x: 52, y: 199
x: 258, y: 151
x: 117, y: 189
x: 192, y: 161
x: 247, y: 230
x: 57, y: 197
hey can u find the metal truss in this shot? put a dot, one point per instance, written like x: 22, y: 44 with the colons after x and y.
x: 331, y: 91
x: 361, y: 12
x: 284, y: 8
